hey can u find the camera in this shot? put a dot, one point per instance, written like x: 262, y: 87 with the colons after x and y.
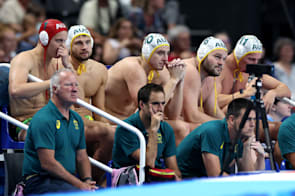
x: 259, y: 69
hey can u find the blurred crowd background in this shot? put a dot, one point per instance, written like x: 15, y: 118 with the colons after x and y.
x: 118, y: 26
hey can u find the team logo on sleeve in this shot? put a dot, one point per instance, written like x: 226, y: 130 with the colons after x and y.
x: 236, y: 148
x: 76, y: 124
x: 57, y: 124
x: 160, y: 141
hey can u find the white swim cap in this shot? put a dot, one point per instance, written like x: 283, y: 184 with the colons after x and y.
x: 207, y: 46
x: 151, y: 43
x: 76, y: 31
x: 247, y: 44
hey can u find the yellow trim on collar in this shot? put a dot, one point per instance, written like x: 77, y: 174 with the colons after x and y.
x: 151, y: 73
x: 81, y: 69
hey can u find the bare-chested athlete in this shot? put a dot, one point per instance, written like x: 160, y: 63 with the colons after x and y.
x: 199, y: 91
x: 233, y: 81
x: 127, y: 76
x: 50, y: 54
x: 92, y: 78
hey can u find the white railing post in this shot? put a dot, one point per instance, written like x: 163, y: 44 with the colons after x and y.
x: 289, y: 101
x: 13, y: 121
x: 127, y: 126
x: 113, y: 119
x: 25, y: 127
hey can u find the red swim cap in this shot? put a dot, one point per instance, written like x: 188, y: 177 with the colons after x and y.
x: 48, y: 29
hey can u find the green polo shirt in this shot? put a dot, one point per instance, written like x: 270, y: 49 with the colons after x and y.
x: 211, y: 137
x: 286, y: 138
x: 49, y: 129
x: 126, y: 142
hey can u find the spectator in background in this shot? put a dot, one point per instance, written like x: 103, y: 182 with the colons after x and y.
x: 171, y: 14
x: 38, y: 11
x: 284, y: 66
x: 12, y: 13
x: 8, y: 42
x: 97, y: 52
x: 2, y: 2
x: 4, y: 96
x: 65, y: 10
x: 129, y: 5
x: 225, y: 38
x: 265, y: 60
x: 121, y: 42
x: 180, y: 39
x: 2, y: 56
x: 149, y: 19
x: 279, y: 111
x: 28, y: 39
x: 98, y: 16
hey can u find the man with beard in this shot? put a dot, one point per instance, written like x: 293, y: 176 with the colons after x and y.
x: 92, y: 77
x: 214, y: 147
x: 50, y: 54
x: 199, y: 91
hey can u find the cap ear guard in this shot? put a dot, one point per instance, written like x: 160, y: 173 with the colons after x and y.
x: 48, y: 29
x: 68, y: 43
x: 92, y: 42
x: 44, y: 38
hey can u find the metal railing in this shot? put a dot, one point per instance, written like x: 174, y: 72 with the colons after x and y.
x: 289, y: 101
x: 103, y: 114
